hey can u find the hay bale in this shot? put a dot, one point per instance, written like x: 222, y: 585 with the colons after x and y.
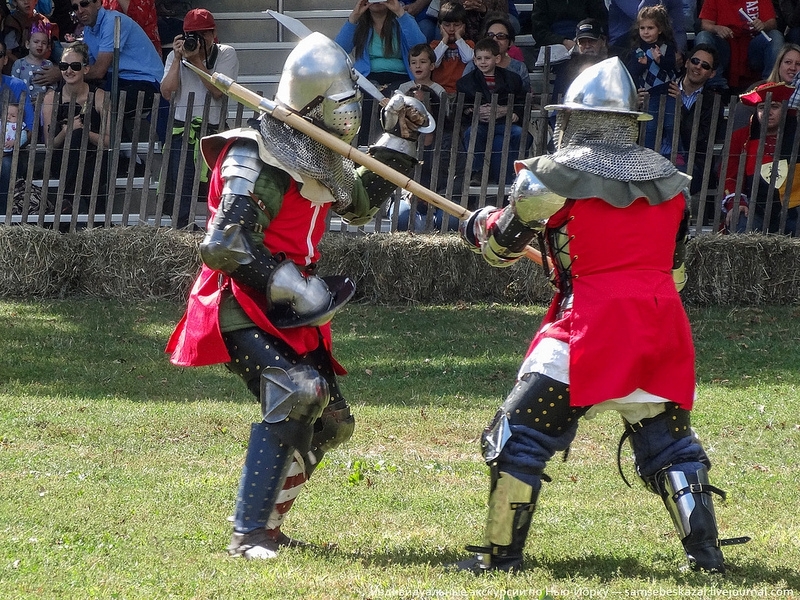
x: 747, y: 269
x: 135, y: 263
x: 36, y: 262
x: 431, y: 269
x: 138, y: 262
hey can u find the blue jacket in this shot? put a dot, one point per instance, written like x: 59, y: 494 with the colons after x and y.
x: 410, y: 35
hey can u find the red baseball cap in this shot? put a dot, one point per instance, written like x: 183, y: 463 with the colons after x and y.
x: 198, y: 19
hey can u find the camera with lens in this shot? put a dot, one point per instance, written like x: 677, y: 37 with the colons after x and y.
x: 190, y: 42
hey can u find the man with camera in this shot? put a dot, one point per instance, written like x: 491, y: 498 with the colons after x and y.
x: 197, y: 45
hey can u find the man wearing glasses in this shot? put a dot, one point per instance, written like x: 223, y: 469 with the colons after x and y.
x: 199, y: 46
x: 591, y: 46
x: 695, y: 83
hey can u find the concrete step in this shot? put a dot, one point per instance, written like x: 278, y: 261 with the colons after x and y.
x: 257, y: 26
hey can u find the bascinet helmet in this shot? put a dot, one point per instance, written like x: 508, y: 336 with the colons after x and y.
x: 604, y: 87
x: 318, y: 79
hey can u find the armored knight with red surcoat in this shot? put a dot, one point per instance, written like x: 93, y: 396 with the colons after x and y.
x: 257, y: 305
x: 612, y: 217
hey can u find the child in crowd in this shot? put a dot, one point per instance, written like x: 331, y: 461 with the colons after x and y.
x: 12, y: 122
x: 454, y: 51
x: 652, y: 63
x: 30, y: 65
x: 421, y: 60
x: 488, y: 79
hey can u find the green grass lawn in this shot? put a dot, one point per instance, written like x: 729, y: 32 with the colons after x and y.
x: 118, y: 471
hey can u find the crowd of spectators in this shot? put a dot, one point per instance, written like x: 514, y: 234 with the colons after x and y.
x: 434, y: 49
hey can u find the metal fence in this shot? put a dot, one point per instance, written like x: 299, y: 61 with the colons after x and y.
x: 130, y: 192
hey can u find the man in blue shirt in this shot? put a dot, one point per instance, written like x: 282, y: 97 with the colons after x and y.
x: 11, y: 90
x: 140, y: 66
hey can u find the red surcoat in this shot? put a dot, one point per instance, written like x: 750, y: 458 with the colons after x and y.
x: 627, y: 327
x: 296, y: 231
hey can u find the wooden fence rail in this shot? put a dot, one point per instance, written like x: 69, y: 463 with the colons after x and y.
x: 128, y: 191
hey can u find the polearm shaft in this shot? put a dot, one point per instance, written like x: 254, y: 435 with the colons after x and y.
x: 251, y: 99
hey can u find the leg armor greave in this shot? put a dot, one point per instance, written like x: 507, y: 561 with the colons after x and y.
x: 511, y: 506
x: 672, y: 463
x: 534, y: 422
x: 227, y: 246
x: 687, y: 495
x: 291, y: 401
x: 332, y: 429
x: 265, y: 466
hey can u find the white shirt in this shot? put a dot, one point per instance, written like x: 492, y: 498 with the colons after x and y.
x: 227, y: 63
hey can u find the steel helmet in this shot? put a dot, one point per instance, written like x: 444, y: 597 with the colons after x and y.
x: 604, y: 87
x: 319, y: 75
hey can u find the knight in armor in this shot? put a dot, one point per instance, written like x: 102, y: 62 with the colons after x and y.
x: 612, y: 218
x: 257, y: 305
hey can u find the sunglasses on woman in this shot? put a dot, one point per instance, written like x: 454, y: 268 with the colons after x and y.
x: 75, y: 66
x: 497, y: 36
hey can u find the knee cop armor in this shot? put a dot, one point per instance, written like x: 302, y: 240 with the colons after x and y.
x: 294, y: 398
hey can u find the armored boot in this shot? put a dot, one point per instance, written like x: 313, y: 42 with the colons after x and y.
x: 687, y: 496
x: 511, y: 505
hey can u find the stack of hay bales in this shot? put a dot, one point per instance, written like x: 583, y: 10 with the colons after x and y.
x: 140, y: 263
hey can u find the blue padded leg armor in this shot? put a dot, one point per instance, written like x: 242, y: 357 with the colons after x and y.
x: 672, y: 463
x: 263, y: 474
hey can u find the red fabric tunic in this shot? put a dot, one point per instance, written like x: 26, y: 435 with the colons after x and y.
x: 627, y: 328
x: 296, y: 231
